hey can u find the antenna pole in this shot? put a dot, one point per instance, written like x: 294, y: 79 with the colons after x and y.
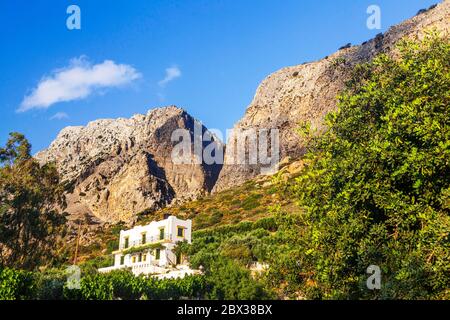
x: 77, y: 244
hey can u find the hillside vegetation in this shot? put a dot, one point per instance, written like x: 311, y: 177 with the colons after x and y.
x: 374, y: 189
x: 248, y: 202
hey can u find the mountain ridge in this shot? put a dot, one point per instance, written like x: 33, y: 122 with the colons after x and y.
x: 120, y: 167
x: 307, y: 92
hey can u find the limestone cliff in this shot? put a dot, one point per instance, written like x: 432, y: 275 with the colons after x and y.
x: 118, y: 168
x: 307, y: 92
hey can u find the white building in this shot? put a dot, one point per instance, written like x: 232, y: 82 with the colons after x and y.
x: 149, y: 249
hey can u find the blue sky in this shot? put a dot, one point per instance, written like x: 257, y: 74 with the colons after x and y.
x: 217, y: 52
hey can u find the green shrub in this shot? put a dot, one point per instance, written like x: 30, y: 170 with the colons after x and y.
x: 112, y: 245
x: 216, y: 217
x: 251, y: 202
x: 376, y: 184
x: 49, y: 284
x: 229, y: 281
x: 123, y: 285
x: 95, y: 287
x: 15, y: 284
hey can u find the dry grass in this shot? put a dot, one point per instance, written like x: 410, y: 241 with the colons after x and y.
x: 248, y: 202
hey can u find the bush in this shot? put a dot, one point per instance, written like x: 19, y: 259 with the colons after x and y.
x: 346, y: 46
x: 15, y: 284
x: 251, y: 202
x: 376, y: 187
x: 123, y: 285
x: 119, y: 284
x: 49, y: 284
x: 216, y: 217
x: 112, y: 245
x: 229, y: 281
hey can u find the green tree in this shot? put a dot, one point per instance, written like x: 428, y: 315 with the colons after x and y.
x: 376, y: 187
x: 30, y: 200
x: 230, y: 281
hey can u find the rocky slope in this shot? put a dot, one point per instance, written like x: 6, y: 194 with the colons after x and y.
x: 118, y: 168
x: 307, y: 92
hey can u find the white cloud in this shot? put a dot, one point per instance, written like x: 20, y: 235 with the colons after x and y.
x: 171, y: 74
x: 59, y: 116
x: 77, y: 81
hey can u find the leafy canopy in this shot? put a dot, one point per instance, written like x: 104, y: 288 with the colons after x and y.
x: 376, y: 188
x: 30, y: 200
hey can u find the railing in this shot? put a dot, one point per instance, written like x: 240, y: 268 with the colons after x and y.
x: 137, y: 268
x: 146, y: 267
x: 108, y: 269
x: 152, y: 239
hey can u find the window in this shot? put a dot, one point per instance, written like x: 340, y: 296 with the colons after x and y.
x: 133, y: 260
x: 144, y: 237
x: 144, y: 257
x: 140, y: 257
x: 126, y: 242
x: 180, y: 232
x: 158, y: 254
x: 161, y: 234
x: 122, y: 260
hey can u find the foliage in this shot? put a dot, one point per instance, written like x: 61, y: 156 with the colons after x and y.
x: 247, y: 202
x: 15, y: 285
x: 92, y: 265
x: 49, y: 284
x: 122, y: 284
x: 225, y: 273
x: 285, y: 255
x: 230, y: 281
x: 148, y: 246
x: 216, y: 212
x: 112, y: 245
x: 226, y: 252
x: 119, y: 284
x: 30, y: 224
x: 376, y: 188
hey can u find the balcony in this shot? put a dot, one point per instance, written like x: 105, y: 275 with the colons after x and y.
x: 138, y: 268
x: 155, y: 270
x: 149, y: 240
x: 146, y: 268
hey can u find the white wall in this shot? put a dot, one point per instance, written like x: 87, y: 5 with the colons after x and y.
x: 152, y: 231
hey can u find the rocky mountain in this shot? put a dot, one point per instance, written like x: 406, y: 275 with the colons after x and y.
x: 118, y: 168
x: 307, y: 92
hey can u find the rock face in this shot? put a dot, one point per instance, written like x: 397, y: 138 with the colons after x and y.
x: 118, y: 168
x: 307, y: 92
